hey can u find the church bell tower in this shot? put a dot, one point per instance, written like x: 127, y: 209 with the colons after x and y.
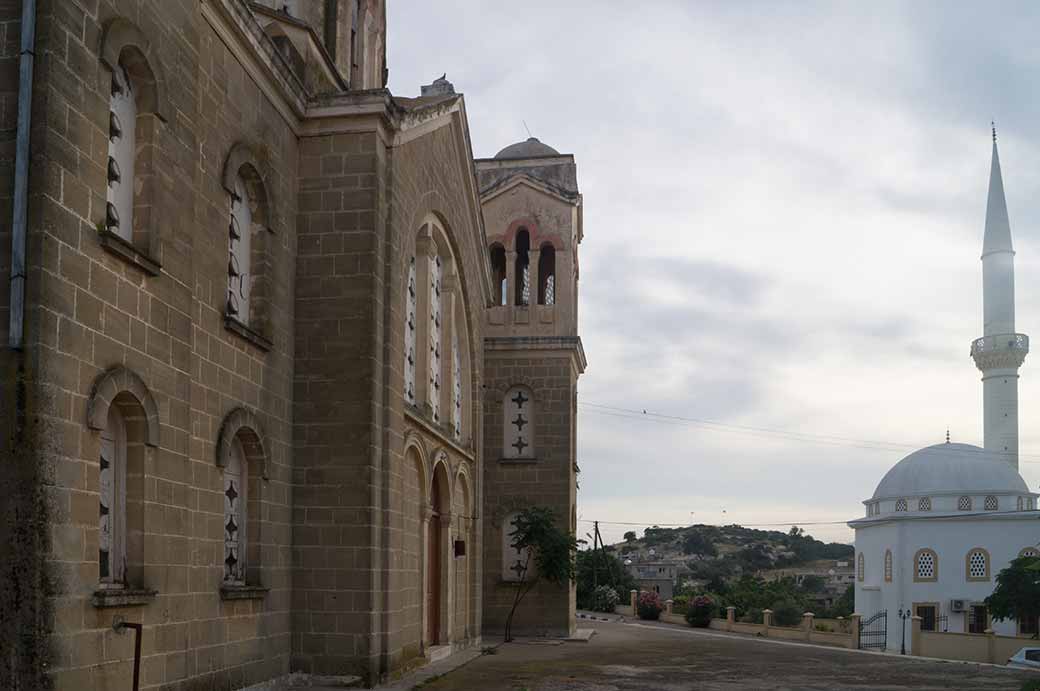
x: 532, y: 360
x: 1000, y: 351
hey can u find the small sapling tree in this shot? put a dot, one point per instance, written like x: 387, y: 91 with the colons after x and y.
x: 536, y: 536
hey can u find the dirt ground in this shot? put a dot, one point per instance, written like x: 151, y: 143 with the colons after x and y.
x: 640, y: 656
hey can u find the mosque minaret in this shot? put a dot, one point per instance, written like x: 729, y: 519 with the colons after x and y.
x: 1000, y: 351
x: 946, y: 519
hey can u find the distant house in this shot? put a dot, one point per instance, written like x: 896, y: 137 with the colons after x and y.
x: 655, y: 576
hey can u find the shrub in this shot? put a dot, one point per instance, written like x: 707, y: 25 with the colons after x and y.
x: 787, y: 613
x: 649, y: 606
x: 752, y: 616
x: 604, y: 599
x: 700, y: 611
x: 824, y: 628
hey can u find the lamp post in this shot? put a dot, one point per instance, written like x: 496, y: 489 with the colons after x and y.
x: 903, y: 616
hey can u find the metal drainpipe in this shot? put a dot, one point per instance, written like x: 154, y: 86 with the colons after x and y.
x: 21, y: 175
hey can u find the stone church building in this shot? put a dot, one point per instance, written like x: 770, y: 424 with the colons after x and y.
x: 283, y: 358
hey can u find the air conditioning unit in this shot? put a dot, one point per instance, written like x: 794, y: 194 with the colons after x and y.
x: 958, y: 605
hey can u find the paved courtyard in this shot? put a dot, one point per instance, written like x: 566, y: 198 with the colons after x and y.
x: 638, y: 656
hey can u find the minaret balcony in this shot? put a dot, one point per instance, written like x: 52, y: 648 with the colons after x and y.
x: 1000, y: 351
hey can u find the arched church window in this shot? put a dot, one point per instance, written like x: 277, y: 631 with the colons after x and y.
x: 518, y: 424
x: 964, y: 504
x: 456, y: 383
x: 991, y: 503
x: 523, y: 268
x: 240, y: 236
x: 112, y: 500
x: 860, y: 567
x: 234, y: 491
x: 901, y: 504
x: 888, y: 566
x: 433, y: 388
x: 123, y: 411
x: 498, y: 273
x: 136, y: 100
x: 547, y: 275
x: 122, y: 126
x: 411, y: 305
x: 926, y: 566
x: 976, y: 565
x: 249, y: 290
x: 924, y: 504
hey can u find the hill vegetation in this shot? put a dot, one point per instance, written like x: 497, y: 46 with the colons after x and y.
x: 714, y: 554
x: 731, y: 564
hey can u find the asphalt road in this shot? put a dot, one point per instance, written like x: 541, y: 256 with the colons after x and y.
x: 640, y: 656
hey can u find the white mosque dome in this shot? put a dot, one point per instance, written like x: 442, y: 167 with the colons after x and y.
x: 950, y: 469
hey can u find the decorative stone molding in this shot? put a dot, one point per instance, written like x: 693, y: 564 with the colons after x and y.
x: 121, y: 34
x: 244, y: 155
x: 128, y: 252
x: 238, y: 328
x: 243, y: 424
x: 123, y: 597
x: 243, y: 592
x: 1000, y: 351
x: 108, y: 386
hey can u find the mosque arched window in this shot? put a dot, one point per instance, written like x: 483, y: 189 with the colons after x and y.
x: 523, y: 268
x: 860, y: 567
x: 901, y: 504
x: 991, y: 503
x: 1021, y: 503
x: 498, y: 273
x: 976, y: 565
x: 924, y: 504
x: 964, y: 504
x: 926, y: 566
x: 888, y: 566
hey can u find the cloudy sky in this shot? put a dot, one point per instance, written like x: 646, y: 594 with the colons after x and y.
x: 784, y: 206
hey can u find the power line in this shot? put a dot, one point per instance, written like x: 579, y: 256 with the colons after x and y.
x: 937, y: 517
x: 766, y: 432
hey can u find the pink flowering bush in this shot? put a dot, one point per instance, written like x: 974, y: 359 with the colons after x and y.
x: 649, y: 606
x: 700, y: 611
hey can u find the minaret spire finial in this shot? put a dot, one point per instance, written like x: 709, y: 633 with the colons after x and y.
x: 947, y: 435
x: 994, y: 126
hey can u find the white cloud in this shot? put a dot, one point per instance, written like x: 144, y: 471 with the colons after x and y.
x: 783, y: 215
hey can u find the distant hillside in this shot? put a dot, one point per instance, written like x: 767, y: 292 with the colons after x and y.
x: 726, y: 552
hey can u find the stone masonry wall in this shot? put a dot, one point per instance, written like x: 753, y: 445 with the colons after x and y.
x: 512, y: 485
x: 90, y: 311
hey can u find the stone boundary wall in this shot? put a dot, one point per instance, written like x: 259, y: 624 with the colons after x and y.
x: 969, y: 647
x: 806, y: 632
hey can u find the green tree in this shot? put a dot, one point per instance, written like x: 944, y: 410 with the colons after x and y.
x: 696, y: 543
x: 596, y: 567
x: 842, y: 607
x: 537, y: 536
x: 630, y: 536
x: 813, y: 584
x: 1017, y: 595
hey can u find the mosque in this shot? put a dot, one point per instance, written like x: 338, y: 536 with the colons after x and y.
x: 946, y: 519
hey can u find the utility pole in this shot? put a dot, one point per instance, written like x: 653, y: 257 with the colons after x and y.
x: 595, y: 561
